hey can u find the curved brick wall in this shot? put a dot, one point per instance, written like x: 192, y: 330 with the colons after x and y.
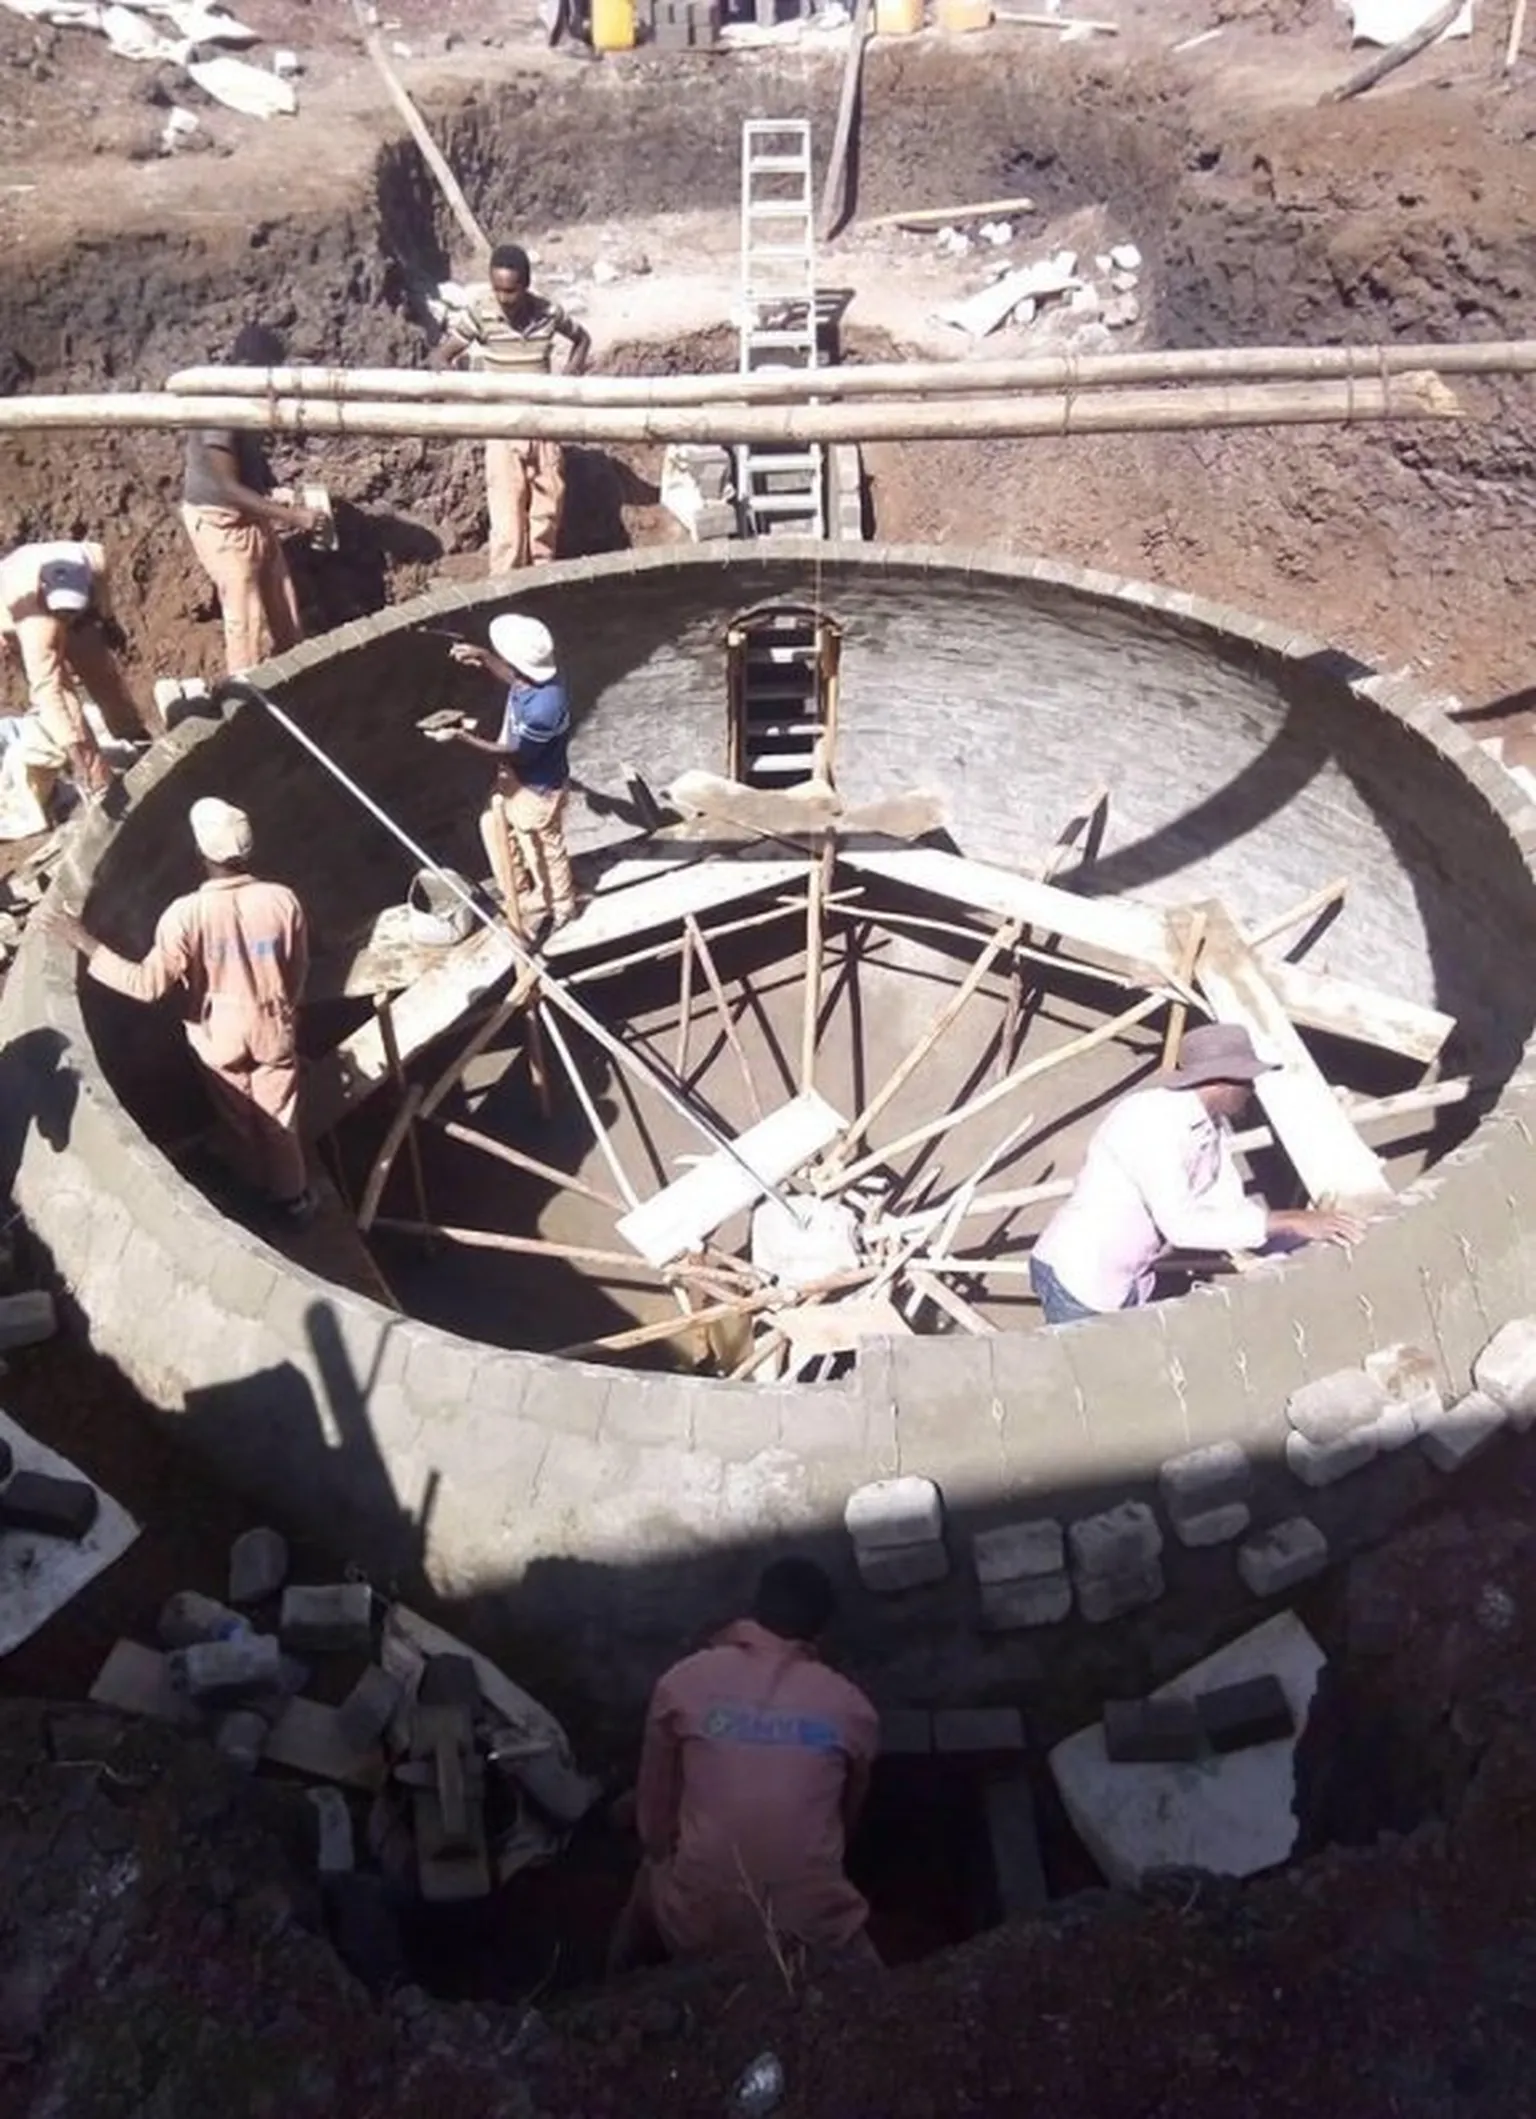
x: 609, y: 1513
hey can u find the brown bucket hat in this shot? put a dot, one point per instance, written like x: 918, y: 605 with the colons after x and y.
x: 1217, y: 1052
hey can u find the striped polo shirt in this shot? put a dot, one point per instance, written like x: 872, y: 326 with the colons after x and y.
x: 497, y: 345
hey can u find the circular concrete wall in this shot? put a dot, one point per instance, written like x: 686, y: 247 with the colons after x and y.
x: 612, y: 1513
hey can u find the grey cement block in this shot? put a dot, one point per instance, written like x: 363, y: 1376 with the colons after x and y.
x: 1218, y: 1526
x: 48, y: 1507
x: 1506, y: 1370
x: 1318, y: 1464
x: 905, y: 1732
x: 1336, y: 1407
x: 327, y: 1617
x: 904, y: 1511
x: 1282, y: 1557
x: 1104, y: 1597
x: 1116, y: 1542
x: 189, y: 1617
x: 258, y: 1565
x: 967, y: 1729
x: 890, y: 1569
x: 366, y: 1711
x: 1017, y: 1550
x: 1200, y: 1480
x: 1038, y: 1600
x: 1457, y: 1433
x: 226, y: 1673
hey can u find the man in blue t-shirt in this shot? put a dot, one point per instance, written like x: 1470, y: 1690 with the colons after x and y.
x: 522, y: 825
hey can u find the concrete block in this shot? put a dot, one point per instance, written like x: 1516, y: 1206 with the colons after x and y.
x: 366, y: 1711
x: 1018, y: 1550
x: 1200, y: 1480
x: 1323, y: 1463
x: 1399, y: 1424
x: 1116, y: 1542
x: 1013, y: 1841
x: 1336, y: 1407
x: 334, y: 1616
x: 1218, y: 1526
x: 1104, y: 1597
x: 963, y: 1729
x: 1281, y: 1557
x: 905, y: 1732
x: 894, y: 1512
x: 1506, y: 1370
x: 1404, y: 1372
x: 1148, y: 1732
x: 48, y: 1507
x: 1252, y: 1711
x: 258, y: 1565
x: 1033, y: 1600
x: 242, y: 1737
x: 27, y: 1319
x: 188, y: 1617
x: 890, y: 1569
x: 1455, y: 1435
x: 228, y: 1673
x: 334, y: 1855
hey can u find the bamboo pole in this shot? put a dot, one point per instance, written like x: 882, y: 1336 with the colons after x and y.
x: 1395, y: 55
x: 401, y: 1127
x: 469, y: 1137
x: 1101, y: 1034
x: 1301, y: 914
x: 525, y: 1246
x: 902, y: 1073
x: 684, y: 1007
x: 943, y: 216
x: 1071, y: 372
x: 385, y: 1014
x: 706, y: 964
x: 939, y: 418
x: 584, y: 1098
x: 518, y: 999
x: 429, y: 150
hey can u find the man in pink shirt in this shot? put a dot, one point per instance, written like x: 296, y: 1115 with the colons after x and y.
x: 1160, y: 1175
x: 754, y: 1767
x: 236, y: 950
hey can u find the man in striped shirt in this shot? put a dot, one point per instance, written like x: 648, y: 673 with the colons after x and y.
x: 507, y: 329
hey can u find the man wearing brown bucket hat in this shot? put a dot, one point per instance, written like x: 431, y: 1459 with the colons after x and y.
x: 1160, y: 1175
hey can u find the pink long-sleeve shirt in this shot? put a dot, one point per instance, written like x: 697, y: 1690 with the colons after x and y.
x: 236, y: 950
x: 1159, y: 1175
x: 755, y: 1761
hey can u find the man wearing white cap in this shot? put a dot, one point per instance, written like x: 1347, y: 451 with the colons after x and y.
x: 1160, y: 1175
x: 236, y: 950
x: 56, y: 614
x: 522, y: 826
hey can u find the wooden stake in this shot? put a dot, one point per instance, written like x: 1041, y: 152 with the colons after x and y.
x: 385, y: 1014
x: 400, y: 1126
x: 430, y: 152
x: 1189, y: 957
x: 538, y: 1069
x: 622, y: 1262
x: 653, y: 1334
x: 1516, y: 32
x: 944, y: 1298
x: 521, y: 994
x: 701, y: 950
x: 896, y: 1081
x: 1301, y: 914
x: 562, y: 1179
x: 684, y: 1007
x: 815, y: 943
x: 1396, y: 55
x: 584, y: 1098
x: 833, y: 202
x: 942, y: 216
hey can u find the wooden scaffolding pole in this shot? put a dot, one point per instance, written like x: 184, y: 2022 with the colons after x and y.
x: 429, y: 150
x: 706, y: 962
x: 386, y: 1020
x: 584, y: 1098
x: 470, y: 1137
x: 684, y: 1006
x: 623, y: 1262
x: 815, y: 950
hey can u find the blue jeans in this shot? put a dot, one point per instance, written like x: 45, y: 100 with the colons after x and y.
x: 1058, y: 1303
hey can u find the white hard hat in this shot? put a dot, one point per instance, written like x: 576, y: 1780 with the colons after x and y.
x: 526, y: 643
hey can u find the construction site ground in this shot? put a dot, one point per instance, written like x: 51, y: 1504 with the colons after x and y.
x: 172, y: 1963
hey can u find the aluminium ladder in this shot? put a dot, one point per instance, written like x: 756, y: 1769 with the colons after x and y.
x: 781, y: 489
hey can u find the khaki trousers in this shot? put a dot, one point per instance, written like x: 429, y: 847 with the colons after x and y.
x: 258, y: 1113
x: 525, y: 492
x: 244, y: 561
x: 523, y: 831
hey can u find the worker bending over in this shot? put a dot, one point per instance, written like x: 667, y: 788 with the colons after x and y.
x: 507, y: 329
x: 522, y: 826
x: 1159, y: 1175
x: 235, y: 951
x: 56, y: 614
x: 237, y: 520
x: 754, y: 1768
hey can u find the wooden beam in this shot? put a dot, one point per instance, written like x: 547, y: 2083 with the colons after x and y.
x: 933, y: 1290
x: 1301, y: 914
x: 517, y: 1000
x: 1395, y: 55
x: 942, y: 216
x: 703, y: 953
x: 384, y: 1162
x: 618, y: 914
x: 469, y: 1137
x: 584, y: 1098
x: 684, y: 1007
x: 627, y: 1342
x: 815, y: 949
x: 1329, y: 1156
x: 619, y: 1262
x: 678, y: 1219
x: 1342, y: 1008
x: 663, y: 952
x: 384, y: 1014
x: 834, y: 203
x: 428, y: 148
x: 1189, y: 957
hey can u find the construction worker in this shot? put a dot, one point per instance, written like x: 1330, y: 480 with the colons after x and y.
x: 237, y: 519
x: 506, y: 329
x: 236, y: 952
x: 522, y: 827
x: 753, y: 1770
x: 56, y: 614
x: 1160, y: 1174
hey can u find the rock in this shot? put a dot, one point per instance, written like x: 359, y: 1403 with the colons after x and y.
x: 1336, y: 1406
x: 258, y: 1565
x: 242, y: 1737
x: 1125, y: 257
x: 889, y: 1570
x: 1122, y: 312
x: 366, y: 1711
x: 1203, y: 1479
x: 334, y: 1855
x: 1323, y: 1464
x: 1253, y: 1711
x: 1104, y: 1597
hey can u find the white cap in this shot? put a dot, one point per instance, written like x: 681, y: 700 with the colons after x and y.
x: 526, y: 643
x: 222, y: 832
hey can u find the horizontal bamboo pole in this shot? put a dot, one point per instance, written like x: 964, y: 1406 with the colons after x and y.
x: 951, y: 378
x: 575, y: 1254
x: 1418, y: 396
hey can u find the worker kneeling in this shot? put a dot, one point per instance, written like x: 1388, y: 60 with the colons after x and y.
x: 753, y: 1771
x: 236, y: 949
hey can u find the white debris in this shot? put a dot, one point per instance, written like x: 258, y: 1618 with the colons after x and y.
x: 1084, y: 301
x: 1104, y: 262
x: 39, y: 1575
x: 1122, y: 312
x: 243, y: 87
x: 981, y: 313
x: 1203, y: 36
x: 996, y: 232
x: 1124, y: 282
x: 1125, y: 257
x: 1027, y: 310
x: 286, y: 64
x: 1390, y: 21
x: 401, y: 50
x: 177, y: 130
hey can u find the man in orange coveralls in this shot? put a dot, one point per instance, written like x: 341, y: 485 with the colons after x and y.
x: 753, y: 1770
x: 236, y: 949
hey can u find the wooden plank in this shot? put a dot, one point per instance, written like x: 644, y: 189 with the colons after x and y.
x: 678, y: 1219
x: 944, y: 1298
x: 1330, y: 1158
x: 840, y: 1327
x: 1127, y: 932
x: 663, y: 900
x: 1344, y: 1009
x: 463, y: 975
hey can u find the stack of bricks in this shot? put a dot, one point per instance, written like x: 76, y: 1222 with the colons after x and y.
x: 845, y: 493
x: 1205, y: 1494
x: 1022, y: 1571
x: 897, y: 1528
x: 1115, y: 1561
x: 684, y: 25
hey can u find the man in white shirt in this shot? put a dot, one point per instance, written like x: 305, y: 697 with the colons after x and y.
x: 1160, y: 1175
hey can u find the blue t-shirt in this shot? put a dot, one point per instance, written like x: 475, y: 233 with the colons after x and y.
x: 537, y: 727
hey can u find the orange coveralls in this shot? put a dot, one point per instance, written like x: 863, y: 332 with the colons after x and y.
x: 238, y: 951
x: 755, y: 1762
x: 59, y: 660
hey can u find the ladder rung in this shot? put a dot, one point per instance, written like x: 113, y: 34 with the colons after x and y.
x: 807, y: 503
x: 762, y: 462
x: 780, y: 729
x: 778, y: 165
x: 780, y: 338
x: 780, y: 209
x: 798, y: 251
